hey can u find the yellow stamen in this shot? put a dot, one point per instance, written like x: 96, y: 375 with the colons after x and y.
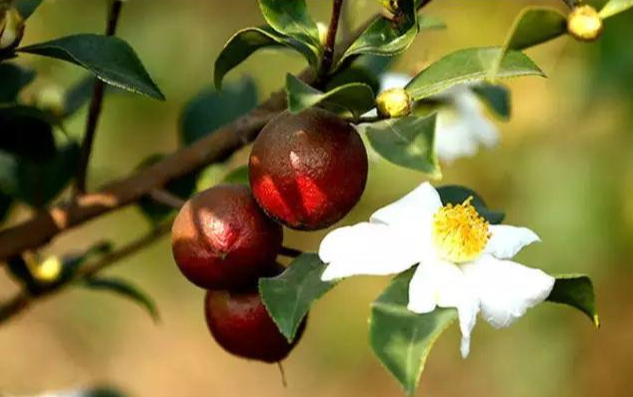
x: 460, y: 234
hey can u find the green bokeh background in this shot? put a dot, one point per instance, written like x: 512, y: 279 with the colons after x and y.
x: 564, y: 168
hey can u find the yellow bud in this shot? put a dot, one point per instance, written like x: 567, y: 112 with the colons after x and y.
x: 584, y: 23
x: 395, y: 102
x: 51, y: 98
x: 13, y: 30
x: 48, y: 271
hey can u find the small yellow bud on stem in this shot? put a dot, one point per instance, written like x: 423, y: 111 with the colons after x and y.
x: 584, y: 23
x: 395, y: 102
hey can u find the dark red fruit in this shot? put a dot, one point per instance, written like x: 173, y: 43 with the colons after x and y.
x: 308, y: 170
x: 221, y: 239
x: 240, y: 323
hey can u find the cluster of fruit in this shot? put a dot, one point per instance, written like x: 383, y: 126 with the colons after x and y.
x: 307, y: 171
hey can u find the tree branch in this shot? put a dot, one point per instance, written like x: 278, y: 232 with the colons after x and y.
x: 215, y: 147
x: 165, y: 198
x: 23, y: 300
x: 328, y: 53
x: 96, y: 106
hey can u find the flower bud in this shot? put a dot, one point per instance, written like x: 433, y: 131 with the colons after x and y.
x: 395, y: 102
x: 584, y: 23
x: 51, y: 98
x: 48, y: 271
x: 12, y: 31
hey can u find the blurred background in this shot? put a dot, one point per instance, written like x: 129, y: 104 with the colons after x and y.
x: 564, y: 168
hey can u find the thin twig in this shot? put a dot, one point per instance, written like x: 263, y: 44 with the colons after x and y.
x: 96, y: 106
x: 330, y: 42
x: 290, y: 252
x: 23, y: 300
x: 162, y: 196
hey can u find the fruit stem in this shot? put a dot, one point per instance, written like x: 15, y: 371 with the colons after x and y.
x: 571, y: 3
x: 96, y: 105
x: 328, y: 52
x: 290, y: 252
x: 282, y: 372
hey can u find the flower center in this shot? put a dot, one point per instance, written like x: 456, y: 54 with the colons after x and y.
x: 460, y: 234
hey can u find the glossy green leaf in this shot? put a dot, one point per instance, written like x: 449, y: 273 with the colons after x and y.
x: 211, y: 109
x: 126, y: 290
x: 614, y: 7
x: 357, y: 98
x: 576, y: 290
x: 354, y: 74
x: 468, y: 66
x: 386, y: 37
x: 497, y: 98
x: 13, y: 79
x: 238, y: 176
x: 534, y: 26
x: 26, y: 8
x: 247, y: 41
x: 289, y: 296
x: 111, y: 59
x: 181, y: 188
x: 454, y: 194
x: 291, y: 18
x: 38, y: 182
x: 407, y: 142
x: 401, y: 339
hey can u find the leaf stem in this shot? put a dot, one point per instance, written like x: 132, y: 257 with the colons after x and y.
x: 330, y: 42
x: 96, y: 106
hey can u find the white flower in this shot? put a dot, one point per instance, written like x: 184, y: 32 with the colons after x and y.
x: 462, y: 125
x: 463, y: 262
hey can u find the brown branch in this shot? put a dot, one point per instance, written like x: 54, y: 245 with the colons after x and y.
x: 215, y: 147
x: 165, y: 198
x: 23, y: 300
x: 96, y: 106
x: 328, y: 53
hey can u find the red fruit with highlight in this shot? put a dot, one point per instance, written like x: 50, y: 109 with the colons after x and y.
x: 240, y: 323
x: 308, y: 170
x: 221, y: 239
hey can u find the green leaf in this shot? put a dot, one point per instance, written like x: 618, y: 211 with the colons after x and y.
x: 386, y: 37
x: 615, y: 7
x: 247, y: 41
x: 211, y: 109
x: 468, y: 66
x: 78, y: 95
x: 288, y: 297
x: 26, y: 8
x: 454, y: 194
x: 407, y: 142
x: 14, y: 78
x: 354, y: 74
x: 429, y: 22
x: 534, y: 26
x: 497, y: 98
x: 238, y: 176
x: 38, y: 182
x: 181, y: 187
x: 291, y: 18
x: 111, y: 59
x: 401, y: 339
x: 357, y: 98
x: 576, y: 290
x: 126, y: 290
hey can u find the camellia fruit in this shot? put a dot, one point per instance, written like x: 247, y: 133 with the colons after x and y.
x: 221, y: 239
x: 585, y: 23
x: 308, y: 170
x: 240, y: 323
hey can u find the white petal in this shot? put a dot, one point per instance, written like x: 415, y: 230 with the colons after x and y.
x: 442, y: 284
x: 506, y: 289
x: 394, y: 80
x: 416, y: 207
x: 366, y: 249
x: 506, y: 241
